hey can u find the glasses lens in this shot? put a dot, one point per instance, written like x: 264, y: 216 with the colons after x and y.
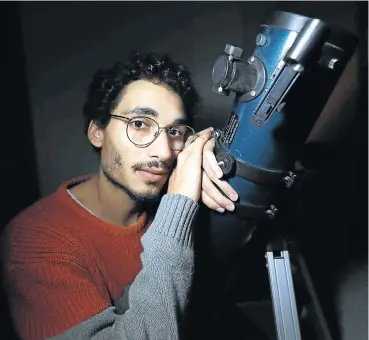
x: 142, y: 130
x: 179, y: 136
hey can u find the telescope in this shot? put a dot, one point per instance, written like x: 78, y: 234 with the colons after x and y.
x: 279, y: 93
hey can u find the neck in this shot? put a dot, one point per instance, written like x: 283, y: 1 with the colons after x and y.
x: 116, y: 204
x: 108, y: 202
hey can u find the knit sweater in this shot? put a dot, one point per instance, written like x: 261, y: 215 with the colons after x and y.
x: 68, y: 273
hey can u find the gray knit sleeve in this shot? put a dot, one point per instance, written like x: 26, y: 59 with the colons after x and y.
x: 158, y: 296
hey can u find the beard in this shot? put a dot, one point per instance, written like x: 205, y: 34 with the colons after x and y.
x: 148, y: 197
x: 115, y: 165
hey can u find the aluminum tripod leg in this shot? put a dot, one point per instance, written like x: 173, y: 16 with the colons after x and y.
x: 283, y: 294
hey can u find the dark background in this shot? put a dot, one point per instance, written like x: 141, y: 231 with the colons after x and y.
x: 49, y: 51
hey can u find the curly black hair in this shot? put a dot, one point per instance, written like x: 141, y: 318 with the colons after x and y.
x: 107, y: 86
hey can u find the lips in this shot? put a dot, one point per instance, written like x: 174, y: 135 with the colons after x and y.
x: 154, y: 171
x: 152, y: 174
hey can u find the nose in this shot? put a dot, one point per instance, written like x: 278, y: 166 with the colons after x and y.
x: 161, y: 149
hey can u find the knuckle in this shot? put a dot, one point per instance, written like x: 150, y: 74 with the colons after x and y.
x: 212, y: 176
x: 223, y: 185
x: 209, y: 203
x: 213, y: 207
x: 225, y: 202
x: 207, y: 184
x: 205, y: 199
x: 220, y: 198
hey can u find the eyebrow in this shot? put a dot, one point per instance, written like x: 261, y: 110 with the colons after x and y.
x: 147, y: 111
x: 143, y: 111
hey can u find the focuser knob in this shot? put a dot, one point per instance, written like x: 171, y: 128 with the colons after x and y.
x: 225, y: 162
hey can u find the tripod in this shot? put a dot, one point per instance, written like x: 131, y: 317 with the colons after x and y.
x: 284, y: 275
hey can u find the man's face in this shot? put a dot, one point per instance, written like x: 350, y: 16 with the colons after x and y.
x: 141, y: 172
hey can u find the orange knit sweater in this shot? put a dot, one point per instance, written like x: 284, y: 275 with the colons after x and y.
x: 63, y: 265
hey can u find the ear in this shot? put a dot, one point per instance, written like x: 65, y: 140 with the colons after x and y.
x: 95, y: 135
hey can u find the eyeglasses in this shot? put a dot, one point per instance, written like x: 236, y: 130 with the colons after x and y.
x: 142, y: 131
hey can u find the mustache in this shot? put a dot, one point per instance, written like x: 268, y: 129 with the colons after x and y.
x: 153, y: 164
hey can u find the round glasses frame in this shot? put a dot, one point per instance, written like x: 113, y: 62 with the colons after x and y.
x: 157, y: 132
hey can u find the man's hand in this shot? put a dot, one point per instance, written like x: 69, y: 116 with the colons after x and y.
x: 187, y: 176
x: 210, y: 195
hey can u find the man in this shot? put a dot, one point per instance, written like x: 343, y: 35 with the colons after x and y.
x: 90, y: 261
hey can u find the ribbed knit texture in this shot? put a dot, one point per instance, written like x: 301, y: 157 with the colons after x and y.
x: 159, y: 295
x: 63, y: 268
x: 63, y: 265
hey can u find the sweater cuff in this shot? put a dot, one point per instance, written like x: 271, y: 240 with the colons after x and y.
x: 174, y: 218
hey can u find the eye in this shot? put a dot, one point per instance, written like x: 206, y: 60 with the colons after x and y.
x: 175, y: 132
x: 138, y: 124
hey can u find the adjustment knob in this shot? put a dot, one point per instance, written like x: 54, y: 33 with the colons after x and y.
x: 225, y: 162
x: 261, y: 39
x: 233, y: 51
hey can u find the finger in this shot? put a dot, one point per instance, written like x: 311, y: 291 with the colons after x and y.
x: 205, y: 131
x: 210, y: 164
x: 228, y: 190
x: 209, y: 146
x: 222, y: 184
x: 197, y: 145
x: 213, y: 192
x: 209, y: 159
x: 210, y: 203
x: 192, y: 139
